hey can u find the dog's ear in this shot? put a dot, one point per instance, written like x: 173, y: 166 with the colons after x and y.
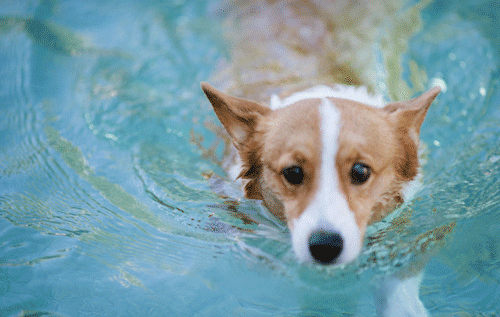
x: 238, y: 116
x: 410, y: 114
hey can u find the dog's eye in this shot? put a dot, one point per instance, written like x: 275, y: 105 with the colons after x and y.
x: 359, y: 173
x: 293, y: 174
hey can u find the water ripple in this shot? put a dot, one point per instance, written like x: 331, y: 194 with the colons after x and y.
x: 105, y: 205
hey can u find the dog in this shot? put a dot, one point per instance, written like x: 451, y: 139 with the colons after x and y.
x: 329, y: 161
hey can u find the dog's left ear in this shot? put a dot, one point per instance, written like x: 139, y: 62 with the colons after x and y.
x: 410, y: 114
x: 238, y: 116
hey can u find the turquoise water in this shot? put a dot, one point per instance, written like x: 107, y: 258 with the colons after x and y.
x: 105, y: 207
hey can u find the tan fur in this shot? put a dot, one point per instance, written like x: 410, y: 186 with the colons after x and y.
x: 269, y: 141
x: 287, y: 142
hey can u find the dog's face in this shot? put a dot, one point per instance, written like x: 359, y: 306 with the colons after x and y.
x: 326, y: 166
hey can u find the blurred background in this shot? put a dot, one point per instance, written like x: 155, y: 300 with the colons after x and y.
x: 108, y: 163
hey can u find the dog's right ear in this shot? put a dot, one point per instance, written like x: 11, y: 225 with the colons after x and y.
x: 238, y: 116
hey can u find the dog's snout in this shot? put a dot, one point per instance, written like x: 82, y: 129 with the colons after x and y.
x: 325, y: 246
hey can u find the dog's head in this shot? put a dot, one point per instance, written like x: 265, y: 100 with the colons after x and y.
x: 326, y: 166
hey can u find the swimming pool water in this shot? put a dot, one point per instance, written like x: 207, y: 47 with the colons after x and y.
x: 105, y: 206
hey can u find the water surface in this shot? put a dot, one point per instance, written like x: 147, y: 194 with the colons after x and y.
x: 105, y: 206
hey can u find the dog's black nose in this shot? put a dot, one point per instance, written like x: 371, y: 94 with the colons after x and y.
x: 325, y: 246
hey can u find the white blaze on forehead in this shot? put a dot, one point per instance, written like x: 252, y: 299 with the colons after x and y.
x: 328, y: 209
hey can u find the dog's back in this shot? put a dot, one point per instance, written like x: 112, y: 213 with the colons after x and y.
x: 281, y: 47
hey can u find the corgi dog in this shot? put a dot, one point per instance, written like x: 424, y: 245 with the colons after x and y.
x: 329, y: 161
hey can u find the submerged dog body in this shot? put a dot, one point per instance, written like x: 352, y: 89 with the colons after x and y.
x: 327, y: 161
